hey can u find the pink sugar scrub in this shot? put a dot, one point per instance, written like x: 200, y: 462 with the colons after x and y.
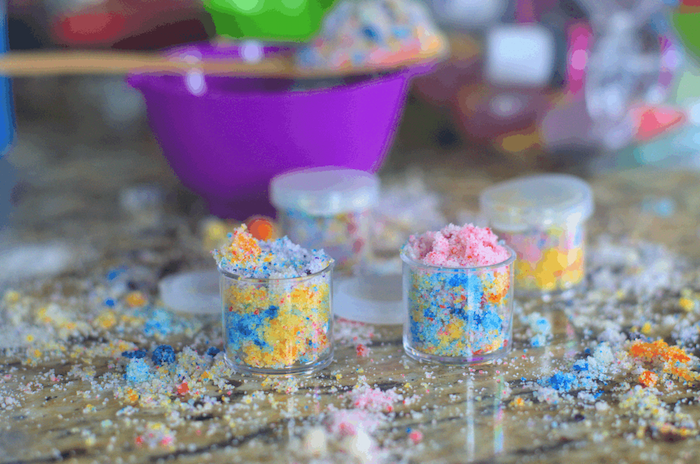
x: 457, y: 247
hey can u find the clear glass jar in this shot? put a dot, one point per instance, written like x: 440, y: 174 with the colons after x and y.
x: 543, y: 218
x: 330, y: 209
x: 278, y: 326
x: 458, y: 315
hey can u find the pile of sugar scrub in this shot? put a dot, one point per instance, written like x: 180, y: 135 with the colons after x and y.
x: 286, y: 323
x: 248, y: 257
x: 457, y: 247
x: 372, y: 33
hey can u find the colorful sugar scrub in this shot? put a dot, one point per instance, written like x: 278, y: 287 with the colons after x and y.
x: 277, y: 312
x: 329, y: 209
x: 543, y: 218
x: 381, y: 32
x: 458, y: 290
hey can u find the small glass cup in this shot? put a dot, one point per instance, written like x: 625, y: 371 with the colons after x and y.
x: 278, y: 326
x: 458, y: 315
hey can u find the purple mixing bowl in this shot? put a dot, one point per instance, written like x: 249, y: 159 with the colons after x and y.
x: 227, y: 144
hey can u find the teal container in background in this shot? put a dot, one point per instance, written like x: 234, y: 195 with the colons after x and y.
x: 7, y: 109
x: 7, y: 128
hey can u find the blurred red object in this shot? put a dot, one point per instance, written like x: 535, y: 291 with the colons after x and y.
x: 654, y: 121
x: 464, y: 66
x: 485, y: 112
x: 147, y: 23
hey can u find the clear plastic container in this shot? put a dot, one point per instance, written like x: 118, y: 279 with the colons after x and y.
x: 278, y: 326
x: 330, y: 209
x: 543, y: 218
x: 458, y: 315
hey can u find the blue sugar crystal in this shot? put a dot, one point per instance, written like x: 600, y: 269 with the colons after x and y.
x: 271, y: 312
x: 135, y: 354
x: 543, y: 325
x: 213, y: 351
x: 580, y: 366
x: 113, y: 274
x: 109, y: 302
x: 137, y: 371
x: 491, y: 321
x: 561, y: 381
x: 163, y: 354
x: 160, y: 322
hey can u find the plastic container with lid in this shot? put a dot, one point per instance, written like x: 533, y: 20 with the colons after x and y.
x: 543, y: 218
x: 328, y: 208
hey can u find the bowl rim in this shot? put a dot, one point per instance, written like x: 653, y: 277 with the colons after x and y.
x: 164, y: 83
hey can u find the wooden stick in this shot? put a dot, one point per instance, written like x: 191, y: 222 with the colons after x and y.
x: 14, y: 64
x: 22, y: 64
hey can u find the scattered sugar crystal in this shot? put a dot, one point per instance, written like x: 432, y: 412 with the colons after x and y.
x: 315, y: 442
x: 604, y: 355
x: 137, y: 371
x: 360, y: 446
x: 541, y: 329
x: 364, y: 397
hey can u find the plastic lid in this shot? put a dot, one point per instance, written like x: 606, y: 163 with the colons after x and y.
x: 325, y: 191
x: 376, y: 299
x: 34, y: 260
x: 537, y: 200
x: 192, y: 292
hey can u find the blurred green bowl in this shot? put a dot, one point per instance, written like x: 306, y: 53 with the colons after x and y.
x: 268, y: 20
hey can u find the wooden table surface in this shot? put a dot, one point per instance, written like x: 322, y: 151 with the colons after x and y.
x: 63, y: 395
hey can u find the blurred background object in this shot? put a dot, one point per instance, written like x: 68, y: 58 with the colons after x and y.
x: 131, y: 24
x: 566, y: 78
x: 549, y: 84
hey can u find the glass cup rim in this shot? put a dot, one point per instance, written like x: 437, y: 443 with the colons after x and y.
x: 231, y: 276
x: 417, y: 264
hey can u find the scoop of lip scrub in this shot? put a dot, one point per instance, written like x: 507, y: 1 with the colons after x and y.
x: 248, y: 257
x: 372, y: 33
x: 457, y: 247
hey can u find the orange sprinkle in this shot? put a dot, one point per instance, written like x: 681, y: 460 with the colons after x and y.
x: 680, y: 372
x: 243, y: 247
x: 261, y: 227
x: 658, y: 349
x: 132, y: 395
x: 183, y: 388
x: 136, y: 299
x: 648, y: 379
x: 674, y: 356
